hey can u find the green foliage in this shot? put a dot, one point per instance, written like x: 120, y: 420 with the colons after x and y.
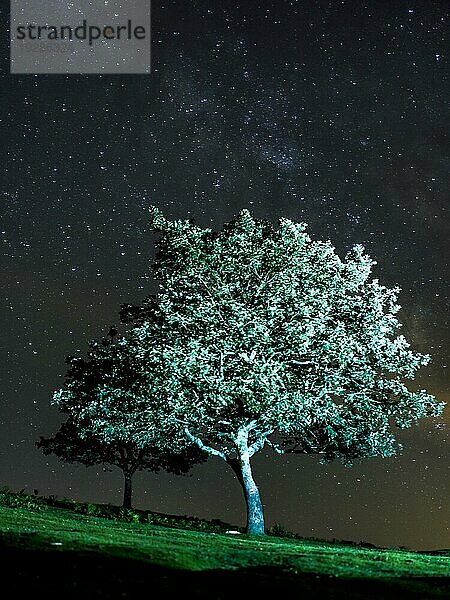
x: 22, y: 499
x: 104, y: 397
x: 263, y: 332
x: 68, y: 445
x: 278, y: 530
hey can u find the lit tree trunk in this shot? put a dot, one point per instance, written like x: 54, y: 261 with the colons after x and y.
x: 127, y: 489
x: 255, y: 512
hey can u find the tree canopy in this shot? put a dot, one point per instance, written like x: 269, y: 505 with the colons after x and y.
x: 258, y: 336
x: 270, y: 338
x: 101, y: 397
x: 266, y: 326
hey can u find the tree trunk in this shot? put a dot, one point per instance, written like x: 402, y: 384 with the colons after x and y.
x: 128, y: 489
x: 255, y: 512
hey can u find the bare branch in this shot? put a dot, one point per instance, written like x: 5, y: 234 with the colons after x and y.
x: 204, y: 447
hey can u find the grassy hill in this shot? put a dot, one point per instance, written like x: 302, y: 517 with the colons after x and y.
x: 51, y: 552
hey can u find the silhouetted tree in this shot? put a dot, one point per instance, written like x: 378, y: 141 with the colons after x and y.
x: 98, y: 396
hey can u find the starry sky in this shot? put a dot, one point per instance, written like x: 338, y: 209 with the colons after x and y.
x: 329, y: 112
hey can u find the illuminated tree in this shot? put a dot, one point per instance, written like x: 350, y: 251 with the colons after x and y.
x: 102, y: 396
x: 268, y: 338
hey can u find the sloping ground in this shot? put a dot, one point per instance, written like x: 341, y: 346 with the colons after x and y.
x: 53, y: 553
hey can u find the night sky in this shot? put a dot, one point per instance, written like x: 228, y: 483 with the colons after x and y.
x: 329, y: 112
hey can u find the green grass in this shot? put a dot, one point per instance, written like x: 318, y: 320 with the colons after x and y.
x: 59, y: 553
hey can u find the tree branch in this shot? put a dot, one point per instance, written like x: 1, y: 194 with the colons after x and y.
x: 204, y: 447
x: 256, y: 446
x: 275, y: 447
